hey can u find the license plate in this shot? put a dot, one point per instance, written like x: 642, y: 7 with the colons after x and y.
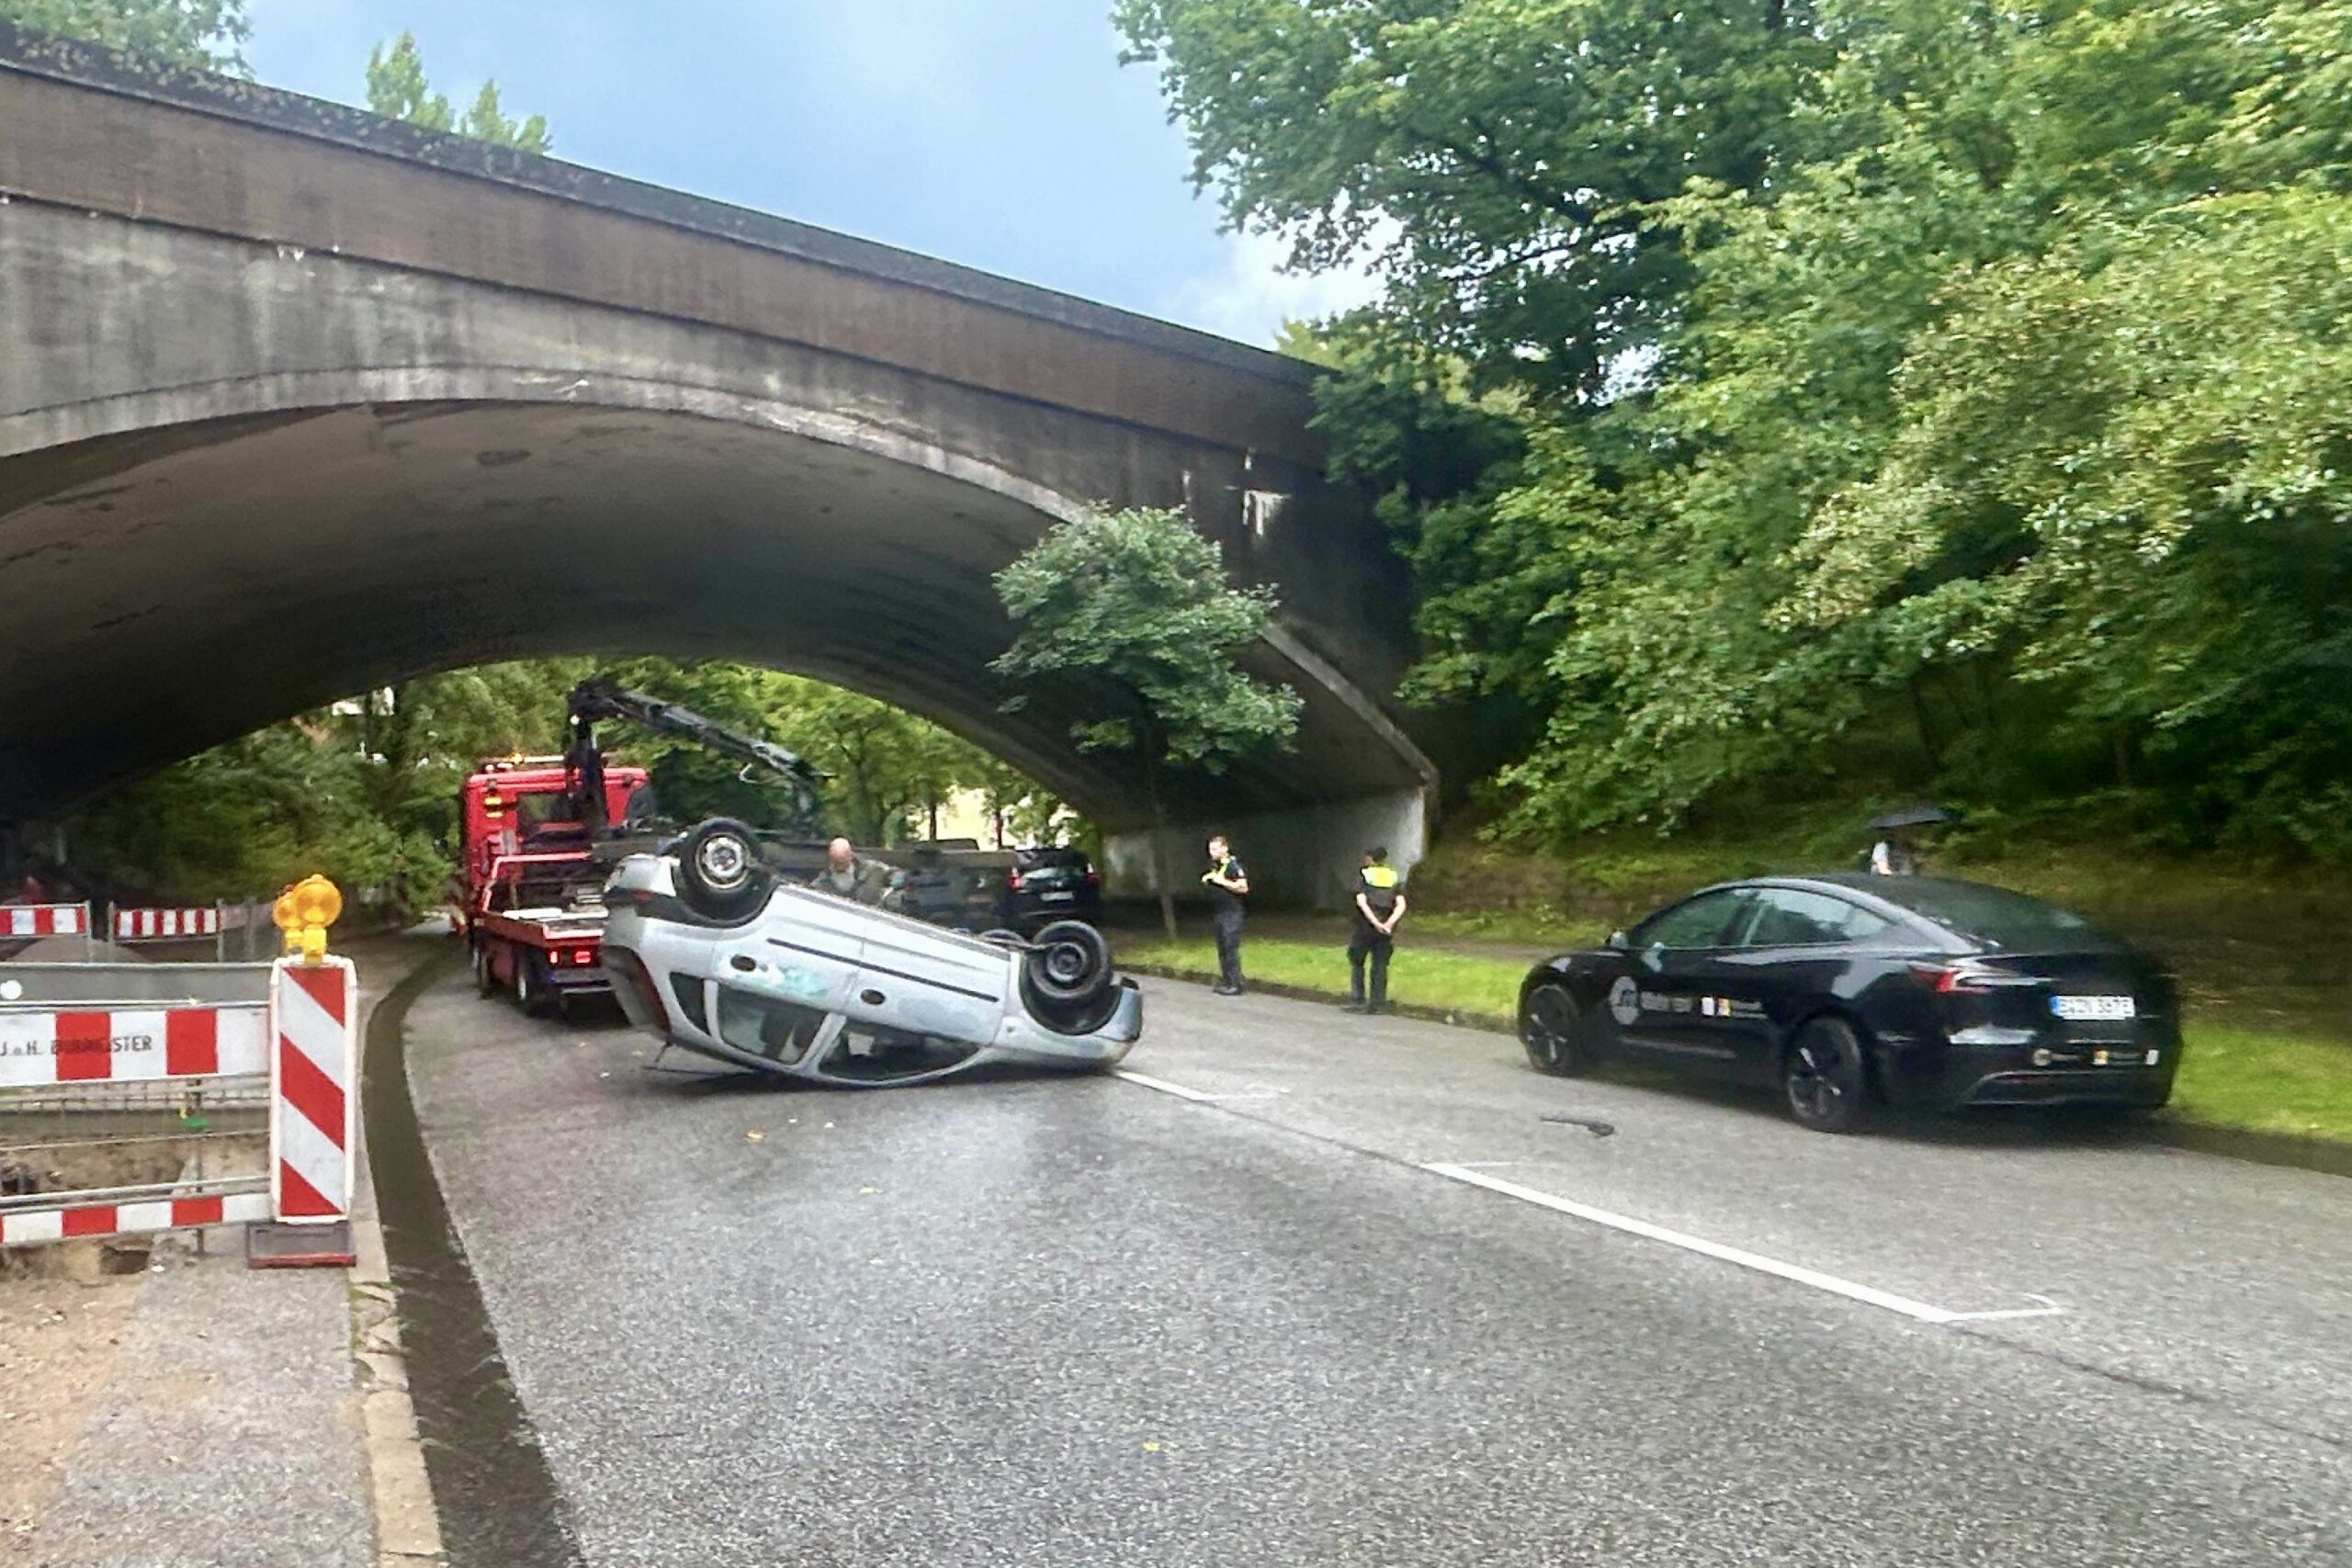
x: 2093, y: 1009
x: 1057, y: 897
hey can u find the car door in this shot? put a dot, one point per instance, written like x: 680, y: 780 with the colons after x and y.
x: 1789, y: 957
x: 1676, y: 959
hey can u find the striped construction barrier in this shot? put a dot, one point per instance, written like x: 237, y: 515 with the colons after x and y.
x: 77, y: 1222
x: 133, y: 1045
x: 314, y: 1093
x: 166, y: 925
x: 44, y: 920
x: 305, y: 1039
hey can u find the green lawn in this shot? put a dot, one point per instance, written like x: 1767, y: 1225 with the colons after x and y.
x: 2245, y: 1079
x: 1453, y: 981
x: 2266, y: 1083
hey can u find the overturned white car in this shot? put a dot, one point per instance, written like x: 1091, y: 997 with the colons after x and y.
x: 707, y: 950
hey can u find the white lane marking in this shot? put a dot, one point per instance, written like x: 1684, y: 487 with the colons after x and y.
x: 1163, y: 1086
x: 1868, y: 1294
x: 2047, y: 1309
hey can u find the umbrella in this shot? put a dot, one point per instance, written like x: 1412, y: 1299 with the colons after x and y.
x: 1914, y: 816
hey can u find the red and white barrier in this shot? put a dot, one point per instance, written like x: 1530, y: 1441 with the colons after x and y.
x: 305, y: 1038
x: 314, y: 1010
x: 165, y: 925
x: 133, y: 1045
x: 44, y: 920
x: 25, y: 1227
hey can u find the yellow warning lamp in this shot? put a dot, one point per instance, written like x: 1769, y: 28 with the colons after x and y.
x: 303, y: 912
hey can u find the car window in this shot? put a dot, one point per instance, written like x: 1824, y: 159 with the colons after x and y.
x: 1791, y: 917
x: 548, y: 806
x: 1996, y: 917
x: 1695, y: 922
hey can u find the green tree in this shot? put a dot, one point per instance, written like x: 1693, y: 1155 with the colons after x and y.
x: 398, y: 88
x: 201, y: 33
x: 1133, y: 609
x: 1502, y: 157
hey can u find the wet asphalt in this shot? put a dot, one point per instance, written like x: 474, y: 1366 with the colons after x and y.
x: 1082, y: 1320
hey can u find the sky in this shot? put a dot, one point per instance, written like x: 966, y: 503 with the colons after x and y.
x: 1003, y: 134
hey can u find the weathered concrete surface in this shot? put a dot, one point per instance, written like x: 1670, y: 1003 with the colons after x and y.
x: 1309, y: 857
x: 293, y: 400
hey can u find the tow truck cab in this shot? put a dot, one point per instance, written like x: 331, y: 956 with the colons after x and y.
x: 530, y: 889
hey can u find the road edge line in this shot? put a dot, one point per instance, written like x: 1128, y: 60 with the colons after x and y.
x: 1869, y: 1295
x: 1164, y: 1087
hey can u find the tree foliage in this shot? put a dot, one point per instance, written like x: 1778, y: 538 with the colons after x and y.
x: 1133, y: 606
x: 201, y: 33
x: 1132, y: 610
x: 1911, y: 364
x: 397, y: 87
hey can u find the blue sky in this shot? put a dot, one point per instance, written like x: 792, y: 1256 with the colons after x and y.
x: 1000, y: 133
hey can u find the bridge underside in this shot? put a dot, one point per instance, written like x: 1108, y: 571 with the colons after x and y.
x: 169, y: 590
x: 295, y: 401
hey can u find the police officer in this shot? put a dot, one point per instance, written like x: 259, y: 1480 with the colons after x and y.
x: 1379, y: 905
x: 1229, y: 887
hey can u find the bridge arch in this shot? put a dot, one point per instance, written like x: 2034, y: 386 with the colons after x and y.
x: 294, y: 402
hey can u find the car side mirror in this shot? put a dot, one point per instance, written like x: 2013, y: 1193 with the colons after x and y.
x: 1619, y: 943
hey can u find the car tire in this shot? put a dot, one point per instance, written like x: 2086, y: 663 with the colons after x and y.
x: 1069, y: 964
x: 721, y: 876
x: 1824, y: 1077
x: 1551, y: 1027
x: 485, y: 983
x: 532, y: 991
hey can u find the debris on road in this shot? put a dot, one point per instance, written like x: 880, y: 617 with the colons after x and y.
x: 1592, y: 1125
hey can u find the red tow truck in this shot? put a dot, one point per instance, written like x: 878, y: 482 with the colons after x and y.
x: 530, y: 891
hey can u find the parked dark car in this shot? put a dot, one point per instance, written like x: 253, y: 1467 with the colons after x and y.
x: 1051, y: 884
x: 1850, y: 990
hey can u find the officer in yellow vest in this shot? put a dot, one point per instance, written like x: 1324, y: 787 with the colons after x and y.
x: 1379, y: 905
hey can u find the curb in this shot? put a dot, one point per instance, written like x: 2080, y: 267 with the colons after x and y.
x: 2321, y: 1156
x: 400, y: 1492
x: 408, y: 1526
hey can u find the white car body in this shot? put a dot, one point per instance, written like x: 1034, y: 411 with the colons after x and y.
x: 812, y: 986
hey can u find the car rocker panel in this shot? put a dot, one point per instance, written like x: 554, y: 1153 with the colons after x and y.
x: 810, y: 985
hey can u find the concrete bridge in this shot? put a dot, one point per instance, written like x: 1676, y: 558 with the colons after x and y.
x: 295, y: 401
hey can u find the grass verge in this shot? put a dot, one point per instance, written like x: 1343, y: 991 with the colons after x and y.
x: 2246, y: 1080
x: 1444, y: 981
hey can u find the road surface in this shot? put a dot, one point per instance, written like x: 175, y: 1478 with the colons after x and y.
x: 1312, y: 1289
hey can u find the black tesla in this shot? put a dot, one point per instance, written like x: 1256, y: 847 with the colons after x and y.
x: 1850, y: 990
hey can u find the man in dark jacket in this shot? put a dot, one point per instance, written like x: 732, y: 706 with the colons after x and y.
x: 1378, y: 904
x: 860, y: 881
x: 1230, y: 887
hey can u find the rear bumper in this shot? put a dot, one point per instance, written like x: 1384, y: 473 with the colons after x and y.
x: 579, y: 981
x: 1952, y: 1077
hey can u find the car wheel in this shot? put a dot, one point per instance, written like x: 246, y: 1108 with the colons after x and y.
x: 1552, y: 1029
x: 1823, y: 1077
x: 530, y: 986
x: 720, y: 873
x: 1069, y: 964
x: 485, y: 983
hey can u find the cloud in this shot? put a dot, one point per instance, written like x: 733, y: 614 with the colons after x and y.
x: 1250, y: 296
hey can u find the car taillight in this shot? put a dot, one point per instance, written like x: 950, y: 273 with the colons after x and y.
x: 1951, y: 979
x: 1012, y: 880
x: 1094, y: 877
x: 583, y: 955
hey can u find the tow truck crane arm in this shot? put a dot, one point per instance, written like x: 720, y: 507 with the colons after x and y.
x: 595, y: 700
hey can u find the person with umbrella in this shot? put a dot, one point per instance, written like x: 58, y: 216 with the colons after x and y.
x: 1897, y: 853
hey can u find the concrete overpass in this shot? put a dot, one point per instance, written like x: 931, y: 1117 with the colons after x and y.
x: 295, y: 401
